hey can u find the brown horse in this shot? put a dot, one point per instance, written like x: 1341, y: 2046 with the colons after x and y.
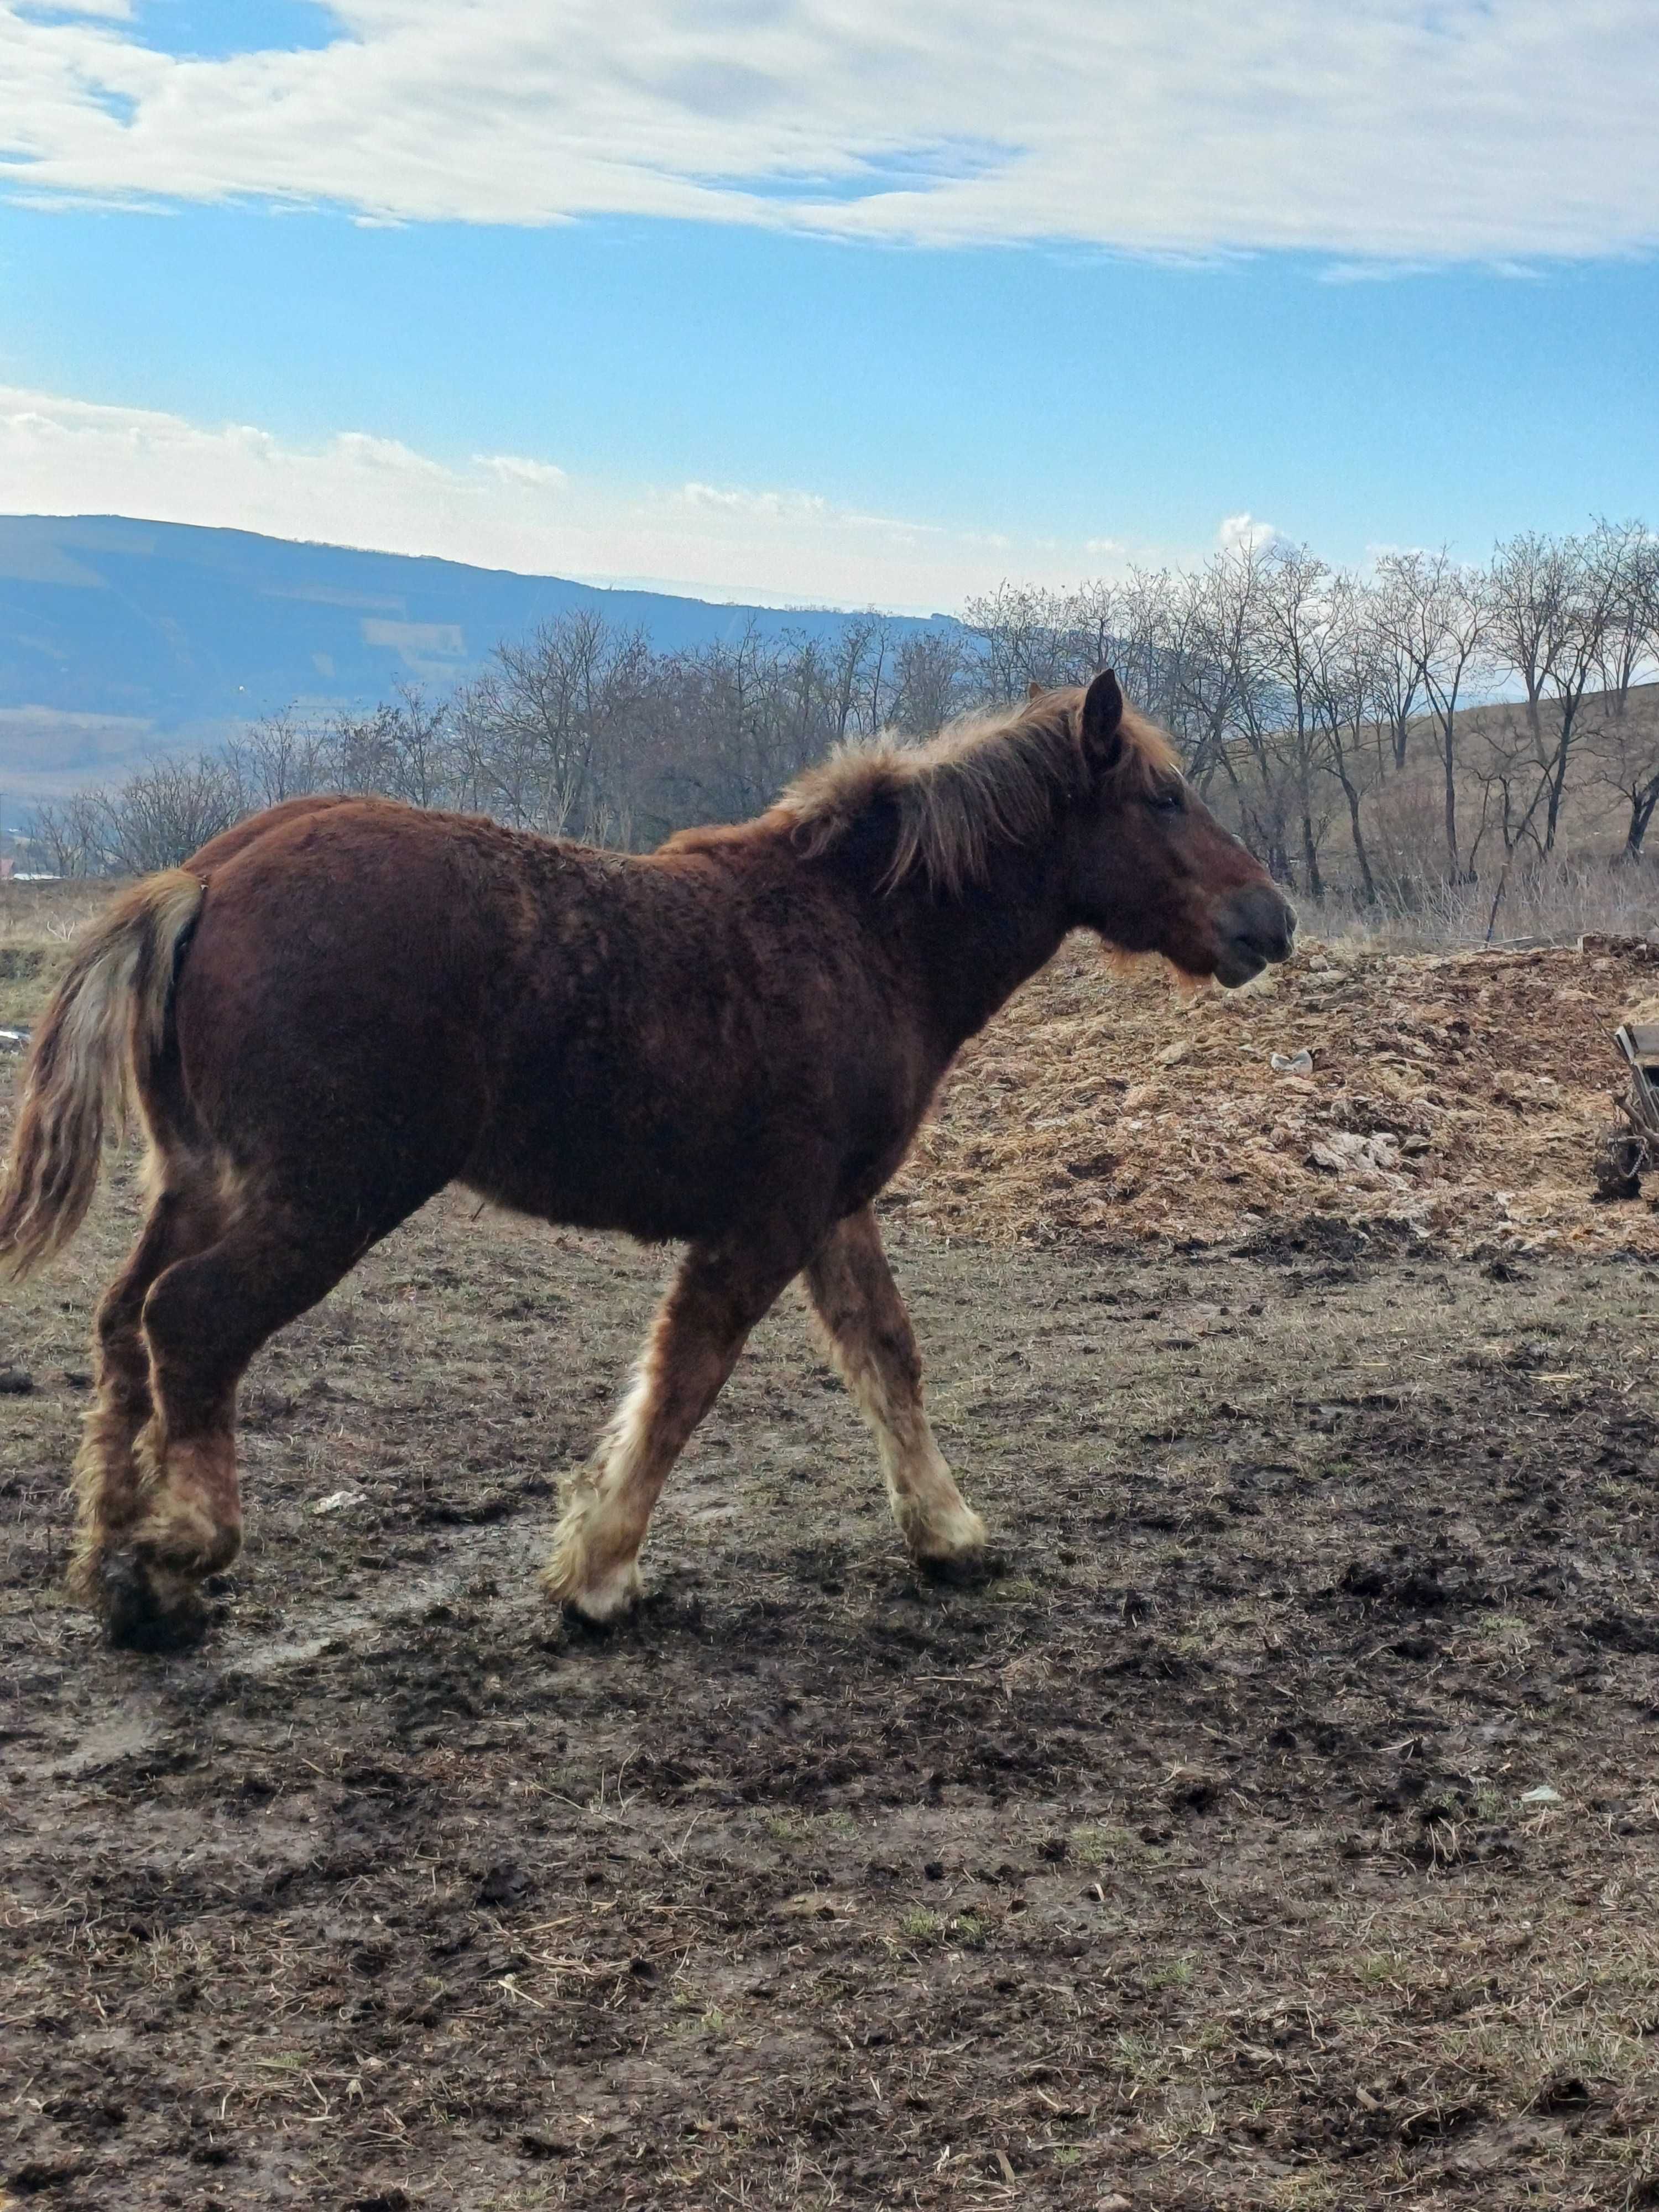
x: 340, y: 1007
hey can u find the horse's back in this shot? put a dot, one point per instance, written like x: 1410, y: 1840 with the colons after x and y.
x: 384, y: 996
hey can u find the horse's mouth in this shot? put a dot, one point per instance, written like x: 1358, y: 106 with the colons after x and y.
x: 1263, y: 931
x: 1239, y: 963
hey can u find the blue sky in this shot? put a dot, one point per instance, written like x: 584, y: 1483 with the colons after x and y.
x: 754, y: 304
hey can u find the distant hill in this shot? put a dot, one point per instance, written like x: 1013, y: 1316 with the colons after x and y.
x: 120, y: 636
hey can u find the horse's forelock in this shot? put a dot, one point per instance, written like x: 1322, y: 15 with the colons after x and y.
x: 986, y: 780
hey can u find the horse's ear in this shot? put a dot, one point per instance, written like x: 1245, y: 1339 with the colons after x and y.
x: 1033, y: 690
x: 1102, y: 724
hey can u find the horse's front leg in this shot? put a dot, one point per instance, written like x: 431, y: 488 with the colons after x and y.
x: 701, y: 1327
x: 874, y: 1348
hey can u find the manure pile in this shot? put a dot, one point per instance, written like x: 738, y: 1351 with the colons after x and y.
x: 1458, y: 1097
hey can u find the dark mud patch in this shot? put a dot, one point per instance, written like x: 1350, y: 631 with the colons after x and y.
x: 1276, y: 1827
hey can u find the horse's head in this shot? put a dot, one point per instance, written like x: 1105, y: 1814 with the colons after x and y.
x: 1150, y: 868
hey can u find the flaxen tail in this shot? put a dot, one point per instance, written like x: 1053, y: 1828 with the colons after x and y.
x: 107, y: 1022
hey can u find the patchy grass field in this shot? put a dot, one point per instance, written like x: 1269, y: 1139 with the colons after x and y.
x: 1278, y: 1828
x: 38, y: 924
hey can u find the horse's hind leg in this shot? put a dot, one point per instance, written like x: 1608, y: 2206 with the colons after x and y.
x: 874, y: 1347
x: 204, y: 1317
x: 185, y: 1217
x: 699, y: 1328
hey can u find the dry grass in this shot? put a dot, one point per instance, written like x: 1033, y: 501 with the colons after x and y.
x: 29, y: 970
x: 50, y: 912
x: 1556, y: 901
x: 38, y: 924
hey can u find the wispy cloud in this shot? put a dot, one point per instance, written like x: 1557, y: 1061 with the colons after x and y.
x: 528, y: 475
x: 1388, y: 132
x: 65, y: 456
x: 800, y: 506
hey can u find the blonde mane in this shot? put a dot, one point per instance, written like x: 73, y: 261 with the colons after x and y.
x: 984, y: 781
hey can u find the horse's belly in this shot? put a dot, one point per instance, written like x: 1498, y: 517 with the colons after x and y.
x: 648, y: 1193
x: 690, y: 1177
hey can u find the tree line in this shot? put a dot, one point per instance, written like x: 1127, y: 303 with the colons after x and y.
x: 1425, y: 721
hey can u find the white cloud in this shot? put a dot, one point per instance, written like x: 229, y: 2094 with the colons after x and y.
x: 1409, y: 131
x: 1238, y: 533
x: 360, y: 451
x: 800, y: 504
x: 515, y: 469
x: 66, y: 456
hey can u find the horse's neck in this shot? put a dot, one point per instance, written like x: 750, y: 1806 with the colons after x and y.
x: 981, y: 946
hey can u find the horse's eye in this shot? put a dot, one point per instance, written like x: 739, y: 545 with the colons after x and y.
x: 1170, y: 800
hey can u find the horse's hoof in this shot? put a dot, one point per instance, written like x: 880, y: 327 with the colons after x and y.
x: 584, y: 1625
x: 598, y: 1612
x: 135, y: 1619
x: 596, y: 1600
x: 964, y: 1570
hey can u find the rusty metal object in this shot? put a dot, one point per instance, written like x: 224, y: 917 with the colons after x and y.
x: 1630, y: 1149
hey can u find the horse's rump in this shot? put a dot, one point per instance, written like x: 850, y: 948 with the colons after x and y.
x: 336, y: 1012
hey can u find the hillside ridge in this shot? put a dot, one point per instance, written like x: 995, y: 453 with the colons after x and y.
x: 119, y: 636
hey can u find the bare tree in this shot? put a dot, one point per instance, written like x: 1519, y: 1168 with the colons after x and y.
x: 1396, y: 681
x: 1293, y: 644
x: 70, y: 833
x: 163, y: 812
x: 1630, y: 637
x: 875, y: 706
x: 276, y: 758
x: 1024, y: 632
x: 1550, y: 602
x: 539, y: 737
x: 1345, y: 680
x: 1625, y: 757
x: 415, y: 736
x: 1087, y: 630
x: 1436, y: 613
x: 1213, y: 614
x: 1144, y: 644
x: 932, y: 680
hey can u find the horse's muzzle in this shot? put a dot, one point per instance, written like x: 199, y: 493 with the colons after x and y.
x: 1256, y: 927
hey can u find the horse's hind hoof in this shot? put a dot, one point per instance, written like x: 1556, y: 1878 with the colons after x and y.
x: 964, y: 1570
x: 597, y: 1601
x: 586, y: 1627
x: 135, y: 1619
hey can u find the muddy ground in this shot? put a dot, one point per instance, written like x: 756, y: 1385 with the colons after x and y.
x: 1198, y: 1858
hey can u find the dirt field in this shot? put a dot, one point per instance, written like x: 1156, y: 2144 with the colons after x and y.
x: 1276, y: 1826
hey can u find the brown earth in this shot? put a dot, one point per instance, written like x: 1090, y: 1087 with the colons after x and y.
x: 1458, y: 1097
x: 1274, y: 1827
